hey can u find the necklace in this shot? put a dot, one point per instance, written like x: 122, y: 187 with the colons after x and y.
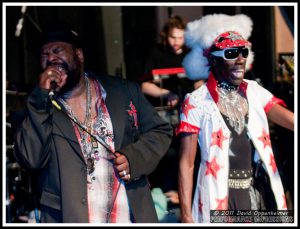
x: 88, y: 143
x: 227, y: 86
x: 234, y: 106
x: 87, y: 120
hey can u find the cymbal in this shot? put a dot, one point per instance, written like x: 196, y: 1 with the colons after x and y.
x: 17, y: 93
x: 14, y: 165
x: 9, y: 147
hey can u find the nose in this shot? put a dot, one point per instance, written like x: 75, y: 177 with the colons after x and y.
x: 178, y: 41
x: 51, y: 57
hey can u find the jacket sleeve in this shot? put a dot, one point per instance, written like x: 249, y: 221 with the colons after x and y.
x: 153, y: 141
x: 33, y: 137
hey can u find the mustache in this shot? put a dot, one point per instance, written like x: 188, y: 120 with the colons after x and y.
x: 61, y: 66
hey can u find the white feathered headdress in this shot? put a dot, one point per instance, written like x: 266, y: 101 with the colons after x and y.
x: 201, y: 34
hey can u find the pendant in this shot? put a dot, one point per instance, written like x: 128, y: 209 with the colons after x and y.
x: 90, y: 165
x: 94, y: 143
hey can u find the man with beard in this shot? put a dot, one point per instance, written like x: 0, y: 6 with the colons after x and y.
x: 92, y: 140
x: 165, y: 94
x: 228, y: 117
x: 169, y: 53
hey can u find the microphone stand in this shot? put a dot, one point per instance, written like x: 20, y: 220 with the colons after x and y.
x: 55, y: 104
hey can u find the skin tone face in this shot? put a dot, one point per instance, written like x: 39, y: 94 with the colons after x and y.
x: 64, y: 58
x: 176, y: 40
x: 232, y: 71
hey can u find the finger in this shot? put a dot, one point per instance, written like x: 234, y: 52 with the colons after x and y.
x: 126, y: 178
x: 117, y: 154
x: 53, y: 75
x: 56, y: 75
x: 120, y: 159
x: 46, y: 77
x: 121, y: 168
x: 123, y: 173
x: 63, y: 80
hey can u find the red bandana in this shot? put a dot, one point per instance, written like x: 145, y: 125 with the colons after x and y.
x: 230, y: 39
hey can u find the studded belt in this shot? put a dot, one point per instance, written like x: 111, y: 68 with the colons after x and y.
x: 239, y: 183
x: 240, y: 178
x: 240, y: 173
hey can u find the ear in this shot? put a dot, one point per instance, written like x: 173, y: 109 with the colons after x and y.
x: 163, y: 34
x: 79, y: 54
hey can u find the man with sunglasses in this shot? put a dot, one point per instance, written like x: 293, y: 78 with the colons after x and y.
x: 228, y: 117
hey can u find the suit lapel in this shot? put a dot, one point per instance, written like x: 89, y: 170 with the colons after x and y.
x: 63, y: 125
x: 116, y: 106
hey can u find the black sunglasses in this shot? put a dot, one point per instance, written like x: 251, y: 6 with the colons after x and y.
x: 231, y: 53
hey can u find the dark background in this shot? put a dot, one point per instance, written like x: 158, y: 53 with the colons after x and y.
x: 140, y: 29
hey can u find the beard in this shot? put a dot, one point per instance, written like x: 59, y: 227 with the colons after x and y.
x: 73, y: 78
x: 73, y: 72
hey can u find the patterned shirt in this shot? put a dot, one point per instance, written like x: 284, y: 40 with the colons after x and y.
x: 107, y: 199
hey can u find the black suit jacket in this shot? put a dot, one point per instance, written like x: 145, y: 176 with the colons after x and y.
x: 46, y: 142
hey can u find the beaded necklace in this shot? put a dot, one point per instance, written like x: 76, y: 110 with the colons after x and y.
x: 233, y: 105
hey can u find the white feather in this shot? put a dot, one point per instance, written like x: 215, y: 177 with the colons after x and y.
x: 200, y: 35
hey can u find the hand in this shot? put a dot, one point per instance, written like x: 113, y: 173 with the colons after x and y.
x: 122, y: 166
x: 172, y: 196
x: 50, y: 74
x: 173, y: 99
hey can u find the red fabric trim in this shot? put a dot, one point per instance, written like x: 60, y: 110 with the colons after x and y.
x: 114, y: 213
x: 243, y: 87
x: 212, y: 87
x: 272, y: 102
x: 186, y: 128
x: 167, y: 71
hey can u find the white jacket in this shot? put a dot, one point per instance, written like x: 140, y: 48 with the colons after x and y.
x: 200, y: 114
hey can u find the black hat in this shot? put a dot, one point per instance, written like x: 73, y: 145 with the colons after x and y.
x: 60, y: 31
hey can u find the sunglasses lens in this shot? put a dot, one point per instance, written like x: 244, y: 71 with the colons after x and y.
x: 245, y: 52
x: 231, y: 54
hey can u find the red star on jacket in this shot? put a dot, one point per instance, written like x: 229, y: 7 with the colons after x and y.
x: 218, y: 138
x: 273, y: 163
x: 222, y: 204
x: 212, y: 167
x: 265, y: 138
x: 186, y: 107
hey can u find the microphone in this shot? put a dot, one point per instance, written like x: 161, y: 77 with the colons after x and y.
x: 20, y: 22
x: 53, y: 86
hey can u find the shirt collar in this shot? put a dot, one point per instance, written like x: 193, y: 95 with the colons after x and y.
x: 212, y: 87
x: 100, y: 91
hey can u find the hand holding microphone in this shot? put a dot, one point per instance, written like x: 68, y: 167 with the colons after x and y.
x: 53, y: 86
x: 53, y: 80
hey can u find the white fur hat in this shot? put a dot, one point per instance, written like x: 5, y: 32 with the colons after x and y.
x: 201, y: 34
